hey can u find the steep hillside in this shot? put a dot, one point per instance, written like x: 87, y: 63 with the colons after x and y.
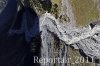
x: 69, y: 29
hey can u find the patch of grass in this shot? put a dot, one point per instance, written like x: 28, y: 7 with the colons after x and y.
x: 58, y: 9
x: 52, y: 6
x: 56, y: 1
x: 85, y: 11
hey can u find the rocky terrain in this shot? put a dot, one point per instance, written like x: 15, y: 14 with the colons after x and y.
x: 86, y: 39
x: 62, y: 37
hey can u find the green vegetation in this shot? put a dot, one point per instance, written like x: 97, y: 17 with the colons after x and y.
x: 53, y: 6
x: 85, y: 11
x: 46, y: 5
x: 36, y: 5
x: 56, y: 7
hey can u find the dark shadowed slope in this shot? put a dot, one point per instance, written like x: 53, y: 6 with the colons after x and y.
x: 16, y: 31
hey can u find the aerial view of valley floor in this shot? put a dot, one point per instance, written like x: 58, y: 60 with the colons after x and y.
x: 49, y: 32
x: 70, y: 30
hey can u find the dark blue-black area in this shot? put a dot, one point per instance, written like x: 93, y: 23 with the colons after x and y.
x: 16, y: 31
